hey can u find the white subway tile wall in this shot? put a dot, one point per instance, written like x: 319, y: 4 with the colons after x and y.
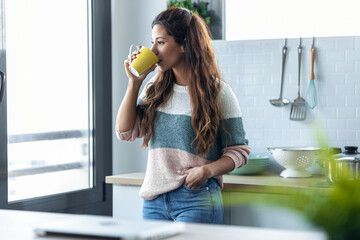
x: 253, y: 68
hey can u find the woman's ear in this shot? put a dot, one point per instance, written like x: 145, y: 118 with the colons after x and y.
x: 183, y: 46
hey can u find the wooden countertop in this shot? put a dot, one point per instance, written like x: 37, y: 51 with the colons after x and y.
x: 264, y: 183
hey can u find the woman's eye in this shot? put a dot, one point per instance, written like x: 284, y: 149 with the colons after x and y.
x: 158, y: 42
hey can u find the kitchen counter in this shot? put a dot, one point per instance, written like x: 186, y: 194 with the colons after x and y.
x: 264, y: 183
x: 16, y: 224
x: 239, y: 194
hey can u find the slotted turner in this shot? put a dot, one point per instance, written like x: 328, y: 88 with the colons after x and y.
x: 298, y: 106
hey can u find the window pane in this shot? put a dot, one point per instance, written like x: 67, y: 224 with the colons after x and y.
x: 49, y: 145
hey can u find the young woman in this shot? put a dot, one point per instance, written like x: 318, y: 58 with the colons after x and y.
x: 190, y: 119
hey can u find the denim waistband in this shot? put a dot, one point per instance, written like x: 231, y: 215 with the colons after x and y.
x: 212, y: 183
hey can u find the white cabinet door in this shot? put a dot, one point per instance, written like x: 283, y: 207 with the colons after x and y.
x: 127, y: 204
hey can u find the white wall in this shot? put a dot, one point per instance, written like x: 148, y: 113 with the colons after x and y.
x: 131, y: 23
x: 278, y: 19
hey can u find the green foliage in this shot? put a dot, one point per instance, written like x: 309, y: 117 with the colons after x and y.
x: 335, y: 209
x: 184, y: 4
x: 200, y: 9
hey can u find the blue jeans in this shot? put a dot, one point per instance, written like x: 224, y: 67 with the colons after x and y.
x: 203, y: 205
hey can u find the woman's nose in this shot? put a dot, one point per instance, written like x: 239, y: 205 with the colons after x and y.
x: 154, y: 49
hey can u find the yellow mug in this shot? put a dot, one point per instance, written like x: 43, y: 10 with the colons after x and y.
x: 143, y: 62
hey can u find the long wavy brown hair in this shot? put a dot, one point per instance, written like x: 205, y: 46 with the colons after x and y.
x: 191, y: 31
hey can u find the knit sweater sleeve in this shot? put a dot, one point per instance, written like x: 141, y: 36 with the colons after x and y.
x: 232, y: 133
x: 134, y: 133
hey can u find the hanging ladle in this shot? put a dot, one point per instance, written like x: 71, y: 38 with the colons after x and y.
x: 281, y: 101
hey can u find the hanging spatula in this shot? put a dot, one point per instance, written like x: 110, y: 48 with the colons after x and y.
x: 298, y: 106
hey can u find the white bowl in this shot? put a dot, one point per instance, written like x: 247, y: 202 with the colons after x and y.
x: 295, y: 159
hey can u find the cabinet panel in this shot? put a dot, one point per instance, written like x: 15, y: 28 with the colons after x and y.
x: 127, y: 203
x: 241, y: 209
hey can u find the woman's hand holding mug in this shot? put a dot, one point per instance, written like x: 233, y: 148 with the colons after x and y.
x: 140, y: 63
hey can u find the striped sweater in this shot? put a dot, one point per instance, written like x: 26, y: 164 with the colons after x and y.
x: 170, y: 149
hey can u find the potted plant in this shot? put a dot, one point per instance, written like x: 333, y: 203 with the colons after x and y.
x: 200, y: 8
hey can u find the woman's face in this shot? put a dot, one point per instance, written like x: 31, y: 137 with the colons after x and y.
x: 170, y: 53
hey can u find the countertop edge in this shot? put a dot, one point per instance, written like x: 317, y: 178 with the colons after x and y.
x: 264, y: 183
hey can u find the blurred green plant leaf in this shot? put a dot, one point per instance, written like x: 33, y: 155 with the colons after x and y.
x: 200, y: 9
x: 335, y: 209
